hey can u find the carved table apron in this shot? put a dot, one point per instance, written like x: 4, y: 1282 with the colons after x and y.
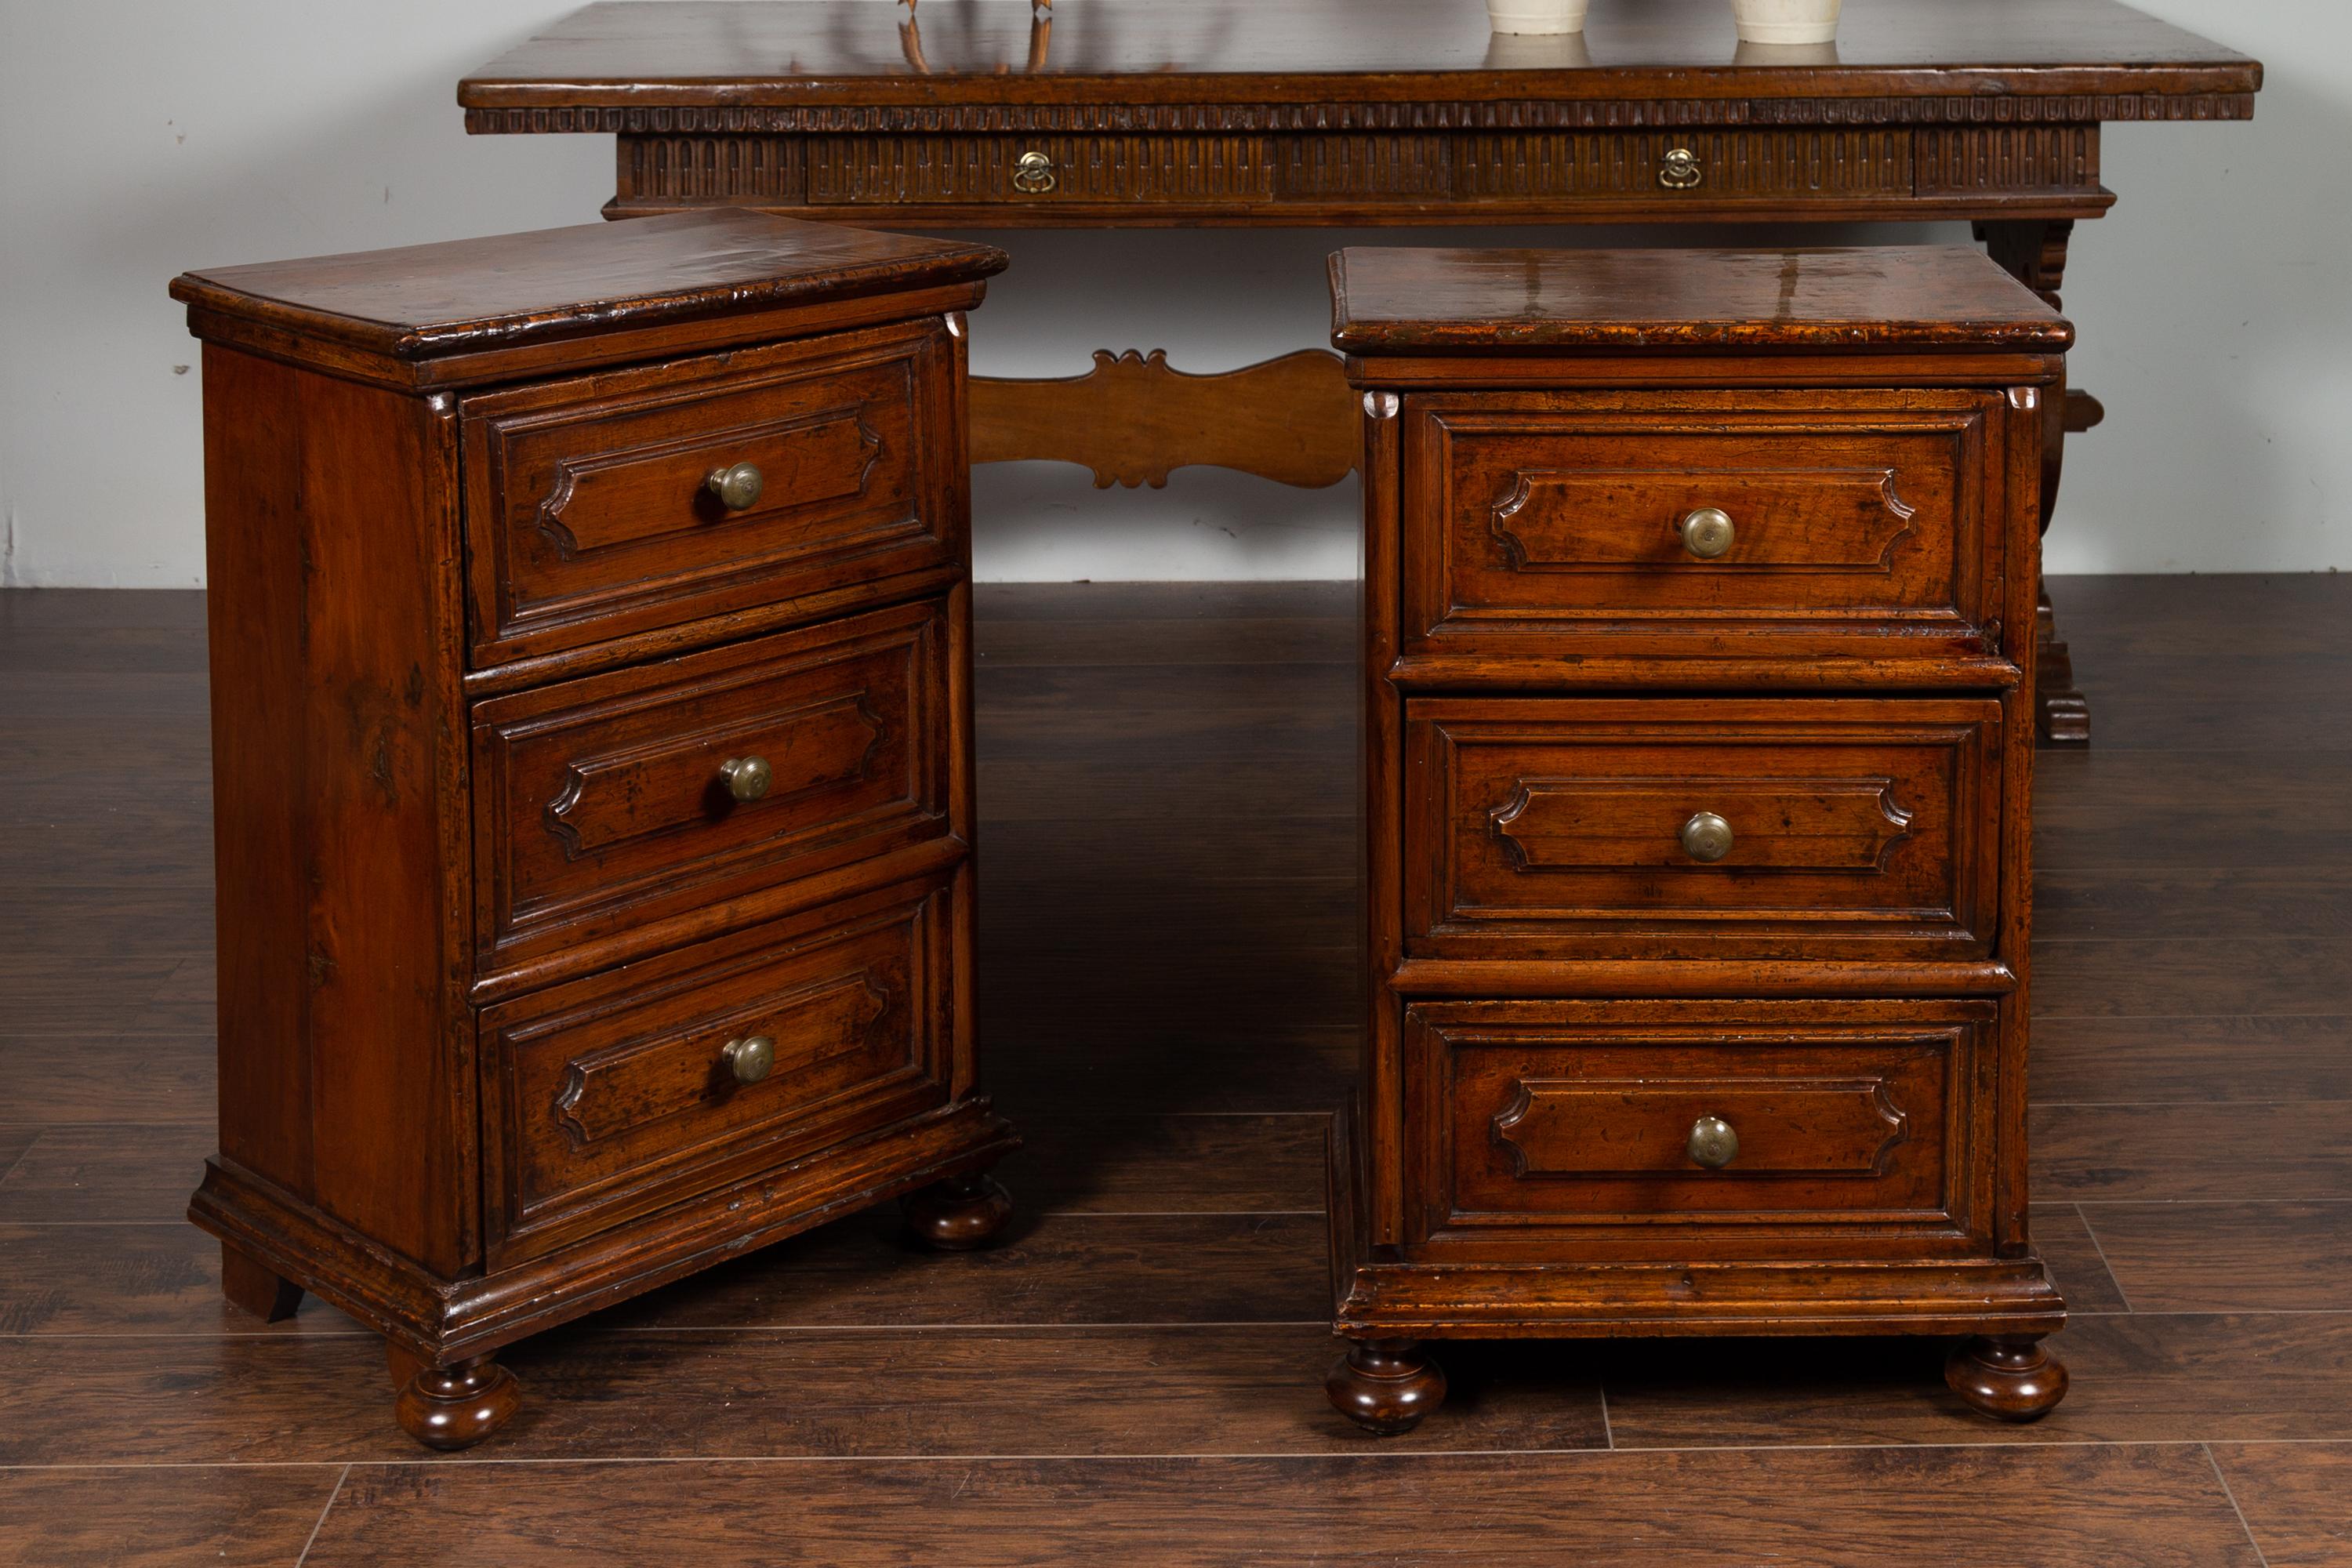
x: 1136, y: 113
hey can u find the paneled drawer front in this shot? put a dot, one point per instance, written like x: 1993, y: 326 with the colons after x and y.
x: 1042, y: 171
x: 609, y: 1096
x: 1701, y: 828
x: 609, y: 802
x: 1720, y: 525
x: 590, y: 514
x: 1663, y: 1117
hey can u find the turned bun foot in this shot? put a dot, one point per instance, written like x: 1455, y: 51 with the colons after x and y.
x: 452, y: 1406
x: 959, y: 1213
x: 1386, y: 1386
x: 2007, y: 1376
x: 256, y: 1288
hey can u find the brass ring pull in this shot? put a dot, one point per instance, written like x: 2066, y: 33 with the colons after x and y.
x: 746, y: 777
x: 750, y: 1059
x: 1707, y: 837
x: 1713, y: 1143
x: 1708, y: 533
x: 737, y: 485
x: 1033, y: 173
x: 1680, y: 170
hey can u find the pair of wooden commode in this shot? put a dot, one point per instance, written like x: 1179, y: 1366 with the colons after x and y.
x: 591, y: 720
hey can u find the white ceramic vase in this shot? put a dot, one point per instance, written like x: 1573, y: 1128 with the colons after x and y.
x: 1535, y: 17
x: 1784, y: 21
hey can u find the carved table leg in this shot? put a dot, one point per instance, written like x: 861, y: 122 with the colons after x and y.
x: 2008, y: 1375
x: 451, y: 1406
x: 1386, y: 1386
x: 959, y: 1213
x: 256, y: 1288
x: 2034, y: 252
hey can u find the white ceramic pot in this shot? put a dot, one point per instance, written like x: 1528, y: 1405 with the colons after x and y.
x: 1784, y: 21
x: 1536, y: 16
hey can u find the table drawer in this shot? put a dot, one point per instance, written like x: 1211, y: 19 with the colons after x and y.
x: 1670, y: 1116
x: 609, y: 1097
x: 1701, y: 827
x: 1039, y: 171
x: 591, y: 514
x: 1715, y: 526
x: 608, y: 803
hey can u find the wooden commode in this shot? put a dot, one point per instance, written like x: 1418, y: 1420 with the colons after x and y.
x: 590, y: 623
x: 1700, y: 592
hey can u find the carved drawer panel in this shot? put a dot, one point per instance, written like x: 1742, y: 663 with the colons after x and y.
x: 609, y: 803
x: 609, y: 1096
x: 592, y: 512
x: 1703, y: 828
x: 1716, y: 525
x: 1045, y: 170
x: 1669, y: 1116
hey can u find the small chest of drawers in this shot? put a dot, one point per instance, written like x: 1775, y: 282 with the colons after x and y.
x: 589, y: 619
x: 1699, y: 608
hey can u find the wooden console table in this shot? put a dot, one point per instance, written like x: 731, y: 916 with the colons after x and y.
x: 1142, y: 113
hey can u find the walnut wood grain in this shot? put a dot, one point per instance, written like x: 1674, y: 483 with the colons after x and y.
x: 549, y: 777
x: 2294, y: 1498
x: 459, y: 311
x: 1604, y: 1090
x: 1133, y: 418
x: 2079, y: 1507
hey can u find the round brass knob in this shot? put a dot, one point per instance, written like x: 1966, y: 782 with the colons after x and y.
x: 737, y: 485
x: 753, y: 1056
x: 1707, y: 837
x: 1033, y: 173
x: 1713, y: 1143
x: 1679, y: 170
x: 1708, y: 533
x: 746, y: 777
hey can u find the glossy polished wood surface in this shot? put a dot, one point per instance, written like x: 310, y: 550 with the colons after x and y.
x: 1912, y: 297
x: 1697, y: 994
x: 594, y: 810
x: 632, y: 55
x: 470, y: 296
x: 1139, y: 1359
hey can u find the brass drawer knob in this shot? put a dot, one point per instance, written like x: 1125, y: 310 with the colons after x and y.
x: 1708, y: 533
x: 746, y: 777
x: 1707, y: 837
x: 1713, y: 1143
x: 737, y: 485
x: 1033, y: 173
x: 1679, y: 170
x: 753, y: 1056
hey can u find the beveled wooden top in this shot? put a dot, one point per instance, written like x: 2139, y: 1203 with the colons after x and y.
x: 1388, y: 301
x: 626, y: 59
x: 467, y: 296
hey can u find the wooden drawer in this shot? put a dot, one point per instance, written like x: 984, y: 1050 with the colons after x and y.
x: 963, y: 171
x: 1555, y: 829
x: 607, y: 1098
x: 603, y: 804
x: 588, y: 517
x: 1581, y: 1114
x: 1547, y: 528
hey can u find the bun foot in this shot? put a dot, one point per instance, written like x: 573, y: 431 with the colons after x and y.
x: 452, y: 1406
x: 1386, y: 1386
x: 959, y: 1213
x: 2007, y: 1376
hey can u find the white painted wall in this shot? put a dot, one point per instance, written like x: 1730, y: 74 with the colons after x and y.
x: 140, y: 137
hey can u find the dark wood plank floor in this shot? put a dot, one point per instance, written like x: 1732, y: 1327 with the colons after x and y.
x: 1168, y: 941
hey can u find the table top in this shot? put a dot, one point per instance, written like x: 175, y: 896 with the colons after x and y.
x: 745, y: 54
x: 1389, y: 301
x: 421, y: 301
